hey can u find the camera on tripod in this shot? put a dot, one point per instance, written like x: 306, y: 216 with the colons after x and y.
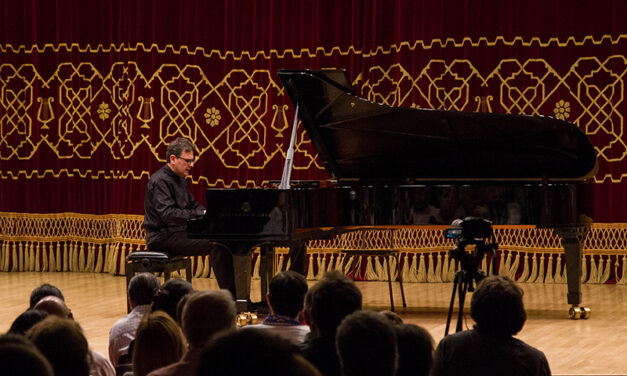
x: 471, y: 231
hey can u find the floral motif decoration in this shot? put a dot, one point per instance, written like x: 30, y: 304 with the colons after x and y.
x: 562, y: 109
x: 212, y: 116
x: 103, y: 111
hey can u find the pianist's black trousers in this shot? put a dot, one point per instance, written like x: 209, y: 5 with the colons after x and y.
x: 178, y: 244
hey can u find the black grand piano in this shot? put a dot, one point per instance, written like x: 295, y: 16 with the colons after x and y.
x: 406, y: 166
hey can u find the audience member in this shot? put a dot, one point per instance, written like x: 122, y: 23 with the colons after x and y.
x: 54, y: 306
x: 415, y: 350
x: 334, y: 297
x: 490, y: 348
x: 45, y: 289
x: 63, y: 343
x: 205, y: 314
x: 26, y: 320
x: 366, y: 345
x: 393, y: 317
x: 169, y: 295
x: 18, y: 356
x: 265, y: 355
x: 158, y: 343
x: 141, y: 290
x: 285, y: 300
x: 179, y: 309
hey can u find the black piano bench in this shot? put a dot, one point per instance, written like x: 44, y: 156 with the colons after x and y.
x: 386, y: 254
x: 155, y: 262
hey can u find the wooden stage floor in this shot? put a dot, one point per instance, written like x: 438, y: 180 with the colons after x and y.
x: 582, y: 347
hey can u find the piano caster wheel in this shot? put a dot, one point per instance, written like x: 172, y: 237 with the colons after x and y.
x: 576, y: 313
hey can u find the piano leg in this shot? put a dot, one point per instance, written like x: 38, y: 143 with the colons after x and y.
x: 266, y: 268
x: 298, y: 257
x: 572, y: 240
x: 242, y: 265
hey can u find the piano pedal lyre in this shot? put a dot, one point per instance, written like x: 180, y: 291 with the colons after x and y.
x: 246, y: 318
x: 576, y: 313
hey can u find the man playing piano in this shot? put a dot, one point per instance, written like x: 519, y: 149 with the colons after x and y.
x: 169, y: 204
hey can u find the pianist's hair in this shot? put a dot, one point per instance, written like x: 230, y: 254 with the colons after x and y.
x: 287, y: 293
x: 178, y: 146
x: 497, y: 307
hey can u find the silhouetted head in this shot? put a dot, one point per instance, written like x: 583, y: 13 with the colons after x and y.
x: 54, y: 306
x: 45, y: 289
x: 26, y: 320
x: 334, y: 297
x: 18, y: 356
x: 168, y: 296
x: 366, y: 345
x: 272, y: 356
x: 63, y: 343
x: 142, y: 288
x: 158, y: 343
x: 287, y: 293
x: 205, y: 314
x: 497, y: 307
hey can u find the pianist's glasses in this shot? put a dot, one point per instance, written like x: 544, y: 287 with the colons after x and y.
x: 188, y: 160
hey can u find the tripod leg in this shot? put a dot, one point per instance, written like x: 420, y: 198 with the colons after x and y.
x: 462, y: 298
x: 450, y: 308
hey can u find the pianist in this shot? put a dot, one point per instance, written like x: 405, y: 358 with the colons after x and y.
x: 169, y: 204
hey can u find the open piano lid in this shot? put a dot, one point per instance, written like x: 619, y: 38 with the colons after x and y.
x: 360, y: 140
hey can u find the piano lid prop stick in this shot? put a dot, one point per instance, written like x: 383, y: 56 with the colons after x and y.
x: 289, y: 157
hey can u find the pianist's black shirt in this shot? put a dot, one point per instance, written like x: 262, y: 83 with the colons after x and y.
x: 168, y: 204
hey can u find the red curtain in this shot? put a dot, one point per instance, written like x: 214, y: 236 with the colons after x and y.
x: 92, y: 91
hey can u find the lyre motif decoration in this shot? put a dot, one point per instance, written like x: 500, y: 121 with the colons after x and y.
x: 145, y: 114
x: 483, y: 103
x: 45, y: 114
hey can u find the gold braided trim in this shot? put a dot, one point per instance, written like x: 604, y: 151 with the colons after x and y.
x: 320, y: 50
x: 76, y: 227
x: 127, y: 229
x: 100, y: 243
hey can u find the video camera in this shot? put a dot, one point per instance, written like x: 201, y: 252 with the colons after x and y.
x: 467, y: 231
x: 470, y: 228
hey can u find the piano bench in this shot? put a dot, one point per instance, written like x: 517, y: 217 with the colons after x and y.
x: 385, y: 253
x: 155, y: 262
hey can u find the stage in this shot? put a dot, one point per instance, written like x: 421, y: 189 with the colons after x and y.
x: 573, y: 347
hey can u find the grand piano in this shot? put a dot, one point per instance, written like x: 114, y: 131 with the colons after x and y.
x: 393, y: 166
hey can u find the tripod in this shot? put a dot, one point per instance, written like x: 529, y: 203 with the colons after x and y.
x: 464, y: 279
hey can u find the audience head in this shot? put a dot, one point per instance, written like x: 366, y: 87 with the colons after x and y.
x: 54, y: 306
x: 142, y: 288
x: 392, y: 317
x: 497, y: 307
x: 63, y: 343
x: 158, y: 343
x: 330, y: 300
x: 415, y: 350
x: 179, y: 309
x: 207, y: 313
x: 45, y: 289
x: 18, y: 356
x: 269, y: 355
x: 169, y: 295
x: 26, y: 320
x: 287, y: 293
x: 366, y: 345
